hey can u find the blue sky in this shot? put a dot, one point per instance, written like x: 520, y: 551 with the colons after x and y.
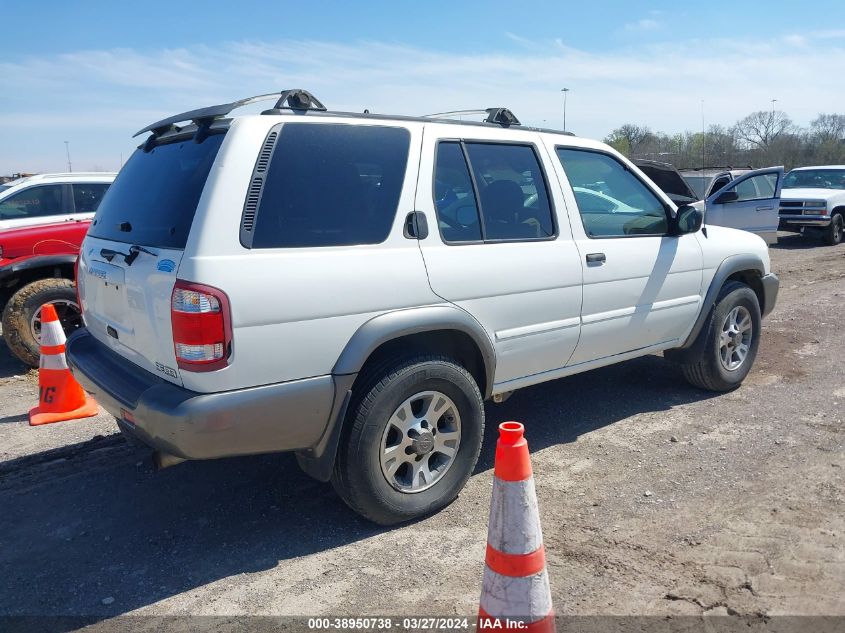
x: 93, y: 73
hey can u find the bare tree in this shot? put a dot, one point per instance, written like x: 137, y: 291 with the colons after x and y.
x: 760, y: 139
x: 629, y: 138
x: 760, y: 129
x: 828, y: 127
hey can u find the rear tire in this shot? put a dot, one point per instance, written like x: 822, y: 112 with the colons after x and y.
x: 371, y: 483
x: 24, y: 306
x: 728, y: 353
x: 833, y: 233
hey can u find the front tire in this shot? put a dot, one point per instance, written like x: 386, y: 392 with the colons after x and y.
x: 21, y: 316
x: 833, y: 233
x: 733, y: 336
x: 413, y: 437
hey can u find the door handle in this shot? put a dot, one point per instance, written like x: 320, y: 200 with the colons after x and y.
x: 416, y: 226
x: 765, y: 208
x: 596, y: 258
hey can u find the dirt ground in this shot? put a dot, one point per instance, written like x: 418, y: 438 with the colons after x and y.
x: 656, y: 499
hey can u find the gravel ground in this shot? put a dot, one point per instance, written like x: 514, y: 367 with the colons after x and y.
x: 656, y: 499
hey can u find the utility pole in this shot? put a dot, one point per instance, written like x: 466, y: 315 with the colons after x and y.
x: 67, y: 151
x: 703, y: 136
x: 564, y: 91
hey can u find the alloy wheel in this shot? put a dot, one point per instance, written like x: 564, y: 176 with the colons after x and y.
x: 735, y: 338
x: 420, y: 441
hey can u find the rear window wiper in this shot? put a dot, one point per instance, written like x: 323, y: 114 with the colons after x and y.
x: 134, y: 250
x: 108, y: 254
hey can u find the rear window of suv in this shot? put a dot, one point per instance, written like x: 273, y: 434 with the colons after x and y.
x: 331, y: 185
x: 154, y: 197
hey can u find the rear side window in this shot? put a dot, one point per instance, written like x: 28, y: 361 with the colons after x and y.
x: 331, y: 185
x: 510, y: 192
x: 154, y: 197
x: 87, y: 197
x: 457, y: 212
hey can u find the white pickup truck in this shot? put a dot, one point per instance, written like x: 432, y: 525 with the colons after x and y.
x: 814, y: 198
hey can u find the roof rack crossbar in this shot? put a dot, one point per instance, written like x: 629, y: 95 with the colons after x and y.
x: 500, y: 116
x: 296, y: 100
x: 203, y: 117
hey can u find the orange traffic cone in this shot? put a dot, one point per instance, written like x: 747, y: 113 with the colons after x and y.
x: 60, y: 397
x: 515, y: 592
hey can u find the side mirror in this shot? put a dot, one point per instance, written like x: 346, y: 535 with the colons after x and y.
x: 688, y: 220
x: 727, y: 196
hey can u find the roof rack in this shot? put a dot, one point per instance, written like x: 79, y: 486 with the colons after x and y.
x: 715, y: 167
x: 501, y: 116
x: 203, y: 117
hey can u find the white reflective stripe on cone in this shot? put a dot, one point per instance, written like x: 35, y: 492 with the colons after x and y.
x: 514, y: 526
x: 53, y: 361
x: 528, y: 599
x: 52, y: 333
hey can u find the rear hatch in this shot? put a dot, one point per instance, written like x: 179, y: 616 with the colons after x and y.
x: 130, y: 258
x: 669, y: 180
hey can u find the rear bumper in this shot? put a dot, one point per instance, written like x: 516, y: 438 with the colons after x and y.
x: 286, y: 416
x: 771, y: 285
x: 805, y: 220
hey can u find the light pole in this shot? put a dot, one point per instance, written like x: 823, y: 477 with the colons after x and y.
x: 773, y: 107
x: 67, y: 151
x: 564, y: 91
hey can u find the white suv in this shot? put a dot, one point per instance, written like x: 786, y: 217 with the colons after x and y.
x: 46, y: 198
x: 352, y: 287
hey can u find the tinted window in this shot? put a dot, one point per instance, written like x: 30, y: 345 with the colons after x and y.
x: 514, y: 198
x: 457, y: 212
x: 620, y: 203
x: 86, y: 197
x: 156, y: 194
x: 32, y: 202
x: 331, y: 185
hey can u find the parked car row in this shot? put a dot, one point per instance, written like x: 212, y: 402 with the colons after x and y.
x: 810, y: 200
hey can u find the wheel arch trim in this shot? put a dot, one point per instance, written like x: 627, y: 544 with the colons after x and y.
x: 398, y: 323
x: 730, y: 266
x: 22, y: 264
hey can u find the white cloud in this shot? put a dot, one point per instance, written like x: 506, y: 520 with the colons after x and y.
x: 795, y: 40
x: 646, y: 24
x: 98, y: 99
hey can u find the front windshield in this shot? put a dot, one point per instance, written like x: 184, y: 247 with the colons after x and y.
x: 815, y: 179
x: 4, y: 187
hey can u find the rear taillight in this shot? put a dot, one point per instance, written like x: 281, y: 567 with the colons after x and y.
x: 202, y: 331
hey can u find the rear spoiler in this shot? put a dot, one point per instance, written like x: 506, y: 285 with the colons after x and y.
x: 203, y: 117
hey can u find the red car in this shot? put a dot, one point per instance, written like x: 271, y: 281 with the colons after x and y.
x: 37, y: 267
